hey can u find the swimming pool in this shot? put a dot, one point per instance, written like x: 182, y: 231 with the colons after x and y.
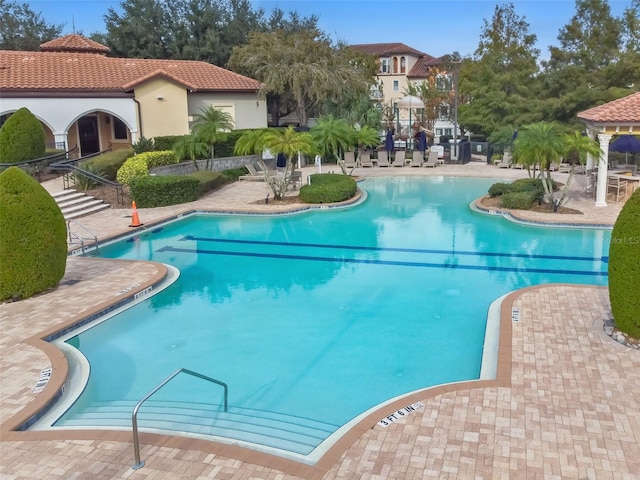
x: 316, y: 317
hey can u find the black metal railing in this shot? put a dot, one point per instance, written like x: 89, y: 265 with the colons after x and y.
x: 71, y: 172
x: 36, y: 167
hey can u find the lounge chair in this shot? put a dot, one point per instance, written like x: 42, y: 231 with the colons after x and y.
x: 564, y: 167
x: 399, y: 160
x: 432, y: 160
x: 365, y: 159
x: 254, y: 174
x: 383, y: 158
x: 416, y: 159
x: 506, y: 161
x: 350, y: 159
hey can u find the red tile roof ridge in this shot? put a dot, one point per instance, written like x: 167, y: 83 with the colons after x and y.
x: 49, y: 70
x: 74, y: 43
x: 625, y: 109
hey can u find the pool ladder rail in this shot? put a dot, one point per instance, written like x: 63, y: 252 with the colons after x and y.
x: 77, y: 235
x: 134, y: 416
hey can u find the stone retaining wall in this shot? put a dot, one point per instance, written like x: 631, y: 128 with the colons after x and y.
x: 218, y: 165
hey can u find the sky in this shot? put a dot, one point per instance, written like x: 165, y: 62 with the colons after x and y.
x: 436, y: 27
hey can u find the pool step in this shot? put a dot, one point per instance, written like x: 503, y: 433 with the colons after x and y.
x: 276, y: 430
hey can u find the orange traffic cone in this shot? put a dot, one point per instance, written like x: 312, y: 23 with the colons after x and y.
x: 135, y: 220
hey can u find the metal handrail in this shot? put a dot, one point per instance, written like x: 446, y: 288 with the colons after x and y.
x: 73, y: 235
x: 41, y: 162
x: 69, y: 167
x: 134, y: 416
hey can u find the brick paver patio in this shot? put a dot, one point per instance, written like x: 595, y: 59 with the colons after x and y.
x: 566, y: 403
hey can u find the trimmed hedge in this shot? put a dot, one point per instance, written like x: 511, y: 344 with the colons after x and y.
x: 33, y: 237
x: 139, y: 165
x: 624, y: 268
x: 161, y: 191
x: 166, y: 142
x: 209, y: 180
x: 108, y: 164
x: 328, y: 188
x: 22, y: 138
x: 518, y: 200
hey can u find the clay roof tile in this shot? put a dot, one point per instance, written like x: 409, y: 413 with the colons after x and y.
x: 623, y: 110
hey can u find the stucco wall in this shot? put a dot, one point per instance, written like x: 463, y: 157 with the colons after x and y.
x: 163, y: 107
x: 247, y: 109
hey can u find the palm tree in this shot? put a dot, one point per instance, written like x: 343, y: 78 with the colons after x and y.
x: 290, y: 143
x: 577, y: 146
x: 211, y: 125
x: 332, y: 136
x: 192, y: 148
x: 540, y: 144
x: 250, y: 142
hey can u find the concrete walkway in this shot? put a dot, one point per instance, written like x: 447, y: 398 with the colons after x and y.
x: 564, y: 405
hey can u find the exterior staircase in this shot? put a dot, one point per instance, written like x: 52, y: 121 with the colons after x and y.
x: 75, y: 204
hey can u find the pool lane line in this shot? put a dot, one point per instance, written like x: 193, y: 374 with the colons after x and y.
x: 379, y: 262
x: 391, y: 249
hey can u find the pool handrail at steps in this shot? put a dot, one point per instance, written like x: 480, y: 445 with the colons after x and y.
x: 73, y: 238
x: 134, y: 416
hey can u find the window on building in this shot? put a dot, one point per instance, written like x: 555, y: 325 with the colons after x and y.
x: 396, y: 86
x: 120, y: 131
x: 444, y: 112
x: 448, y: 131
x: 403, y: 65
x: 438, y: 131
x: 384, y: 65
x: 395, y: 64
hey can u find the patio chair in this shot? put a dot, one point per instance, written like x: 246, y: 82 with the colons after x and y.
x: 432, y: 160
x: 616, y: 188
x: 416, y: 159
x: 254, y: 174
x: 399, y: 159
x: 564, y: 167
x: 383, y: 158
x: 350, y: 159
x: 506, y: 161
x: 365, y: 159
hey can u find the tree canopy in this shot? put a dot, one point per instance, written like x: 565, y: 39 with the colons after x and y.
x: 23, y: 29
x: 305, y: 65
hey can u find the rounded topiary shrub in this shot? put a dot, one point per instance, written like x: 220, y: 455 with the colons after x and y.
x: 624, y: 268
x: 33, y: 237
x: 22, y: 138
x: 328, y: 188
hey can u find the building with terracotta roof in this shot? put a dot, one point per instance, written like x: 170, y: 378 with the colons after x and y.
x: 604, y: 123
x: 399, y: 66
x: 86, y: 99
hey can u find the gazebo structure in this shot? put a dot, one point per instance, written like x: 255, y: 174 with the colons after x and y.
x: 619, y: 117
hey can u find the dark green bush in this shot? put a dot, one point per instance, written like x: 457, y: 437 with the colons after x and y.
x: 225, y: 148
x: 498, y: 189
x: 328, y: 188
x: 108, y: 164
x: 209, y: 180
x: 166, y: 142
x: 22, y: 138
x: 233, y: 174
x: 33, y: 237
x: 624, y: 268
x: 144, y: 145
x: 519, y: 200
x: 159, y: 191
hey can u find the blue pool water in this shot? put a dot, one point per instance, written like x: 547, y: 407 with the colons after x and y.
x: 314, y: 318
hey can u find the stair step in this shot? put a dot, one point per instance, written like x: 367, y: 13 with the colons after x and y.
x: 277, y: 430
x: 69, y: 202
x: 76, y: 206
x: 63, y: 193
x: 86, y: 211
